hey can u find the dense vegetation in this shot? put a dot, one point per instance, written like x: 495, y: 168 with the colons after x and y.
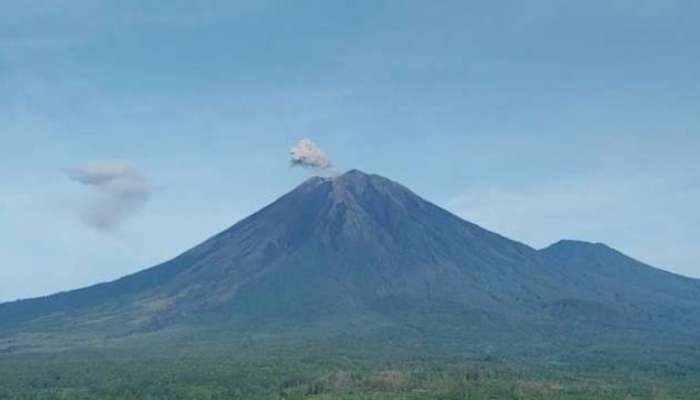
x: 229, y: 374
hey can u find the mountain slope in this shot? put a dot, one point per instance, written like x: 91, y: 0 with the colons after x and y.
x: 638, y: 291
x: 361, y: 255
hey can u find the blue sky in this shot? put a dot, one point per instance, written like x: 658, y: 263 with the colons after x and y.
x: 540, y: 120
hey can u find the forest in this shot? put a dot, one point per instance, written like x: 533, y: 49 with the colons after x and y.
x: 325, y: 375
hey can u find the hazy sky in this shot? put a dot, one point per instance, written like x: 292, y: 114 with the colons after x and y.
x: 540, y: 120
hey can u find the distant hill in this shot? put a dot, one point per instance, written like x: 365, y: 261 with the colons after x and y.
x: 360, y: 260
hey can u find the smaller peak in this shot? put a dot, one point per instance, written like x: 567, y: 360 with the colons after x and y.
x: 574, y: 242
x: 569, y: 244
x: 587, y: 253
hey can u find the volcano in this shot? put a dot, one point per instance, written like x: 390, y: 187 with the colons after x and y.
x: 359, y: 258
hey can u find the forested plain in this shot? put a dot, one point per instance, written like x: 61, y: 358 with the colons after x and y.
x: 328, y: 374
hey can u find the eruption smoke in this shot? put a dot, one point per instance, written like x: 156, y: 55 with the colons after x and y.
x: 121, y: 192
x: 307, y: 154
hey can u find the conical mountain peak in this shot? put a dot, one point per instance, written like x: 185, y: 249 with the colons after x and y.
x: 362, y: 245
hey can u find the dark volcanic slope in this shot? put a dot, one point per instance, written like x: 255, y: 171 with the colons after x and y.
x: 636, y: 291
x: 361, y: 247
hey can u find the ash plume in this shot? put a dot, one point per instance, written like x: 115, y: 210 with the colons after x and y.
x: 307, y: 154
x: 121, y: 191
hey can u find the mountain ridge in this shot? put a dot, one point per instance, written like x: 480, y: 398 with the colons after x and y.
x: 360, y: 247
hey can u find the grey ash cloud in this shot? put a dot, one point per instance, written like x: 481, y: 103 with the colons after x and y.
x: 121, y: 192
x: 308, y: 154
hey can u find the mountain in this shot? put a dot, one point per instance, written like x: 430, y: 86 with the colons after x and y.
x: 361, y: 259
